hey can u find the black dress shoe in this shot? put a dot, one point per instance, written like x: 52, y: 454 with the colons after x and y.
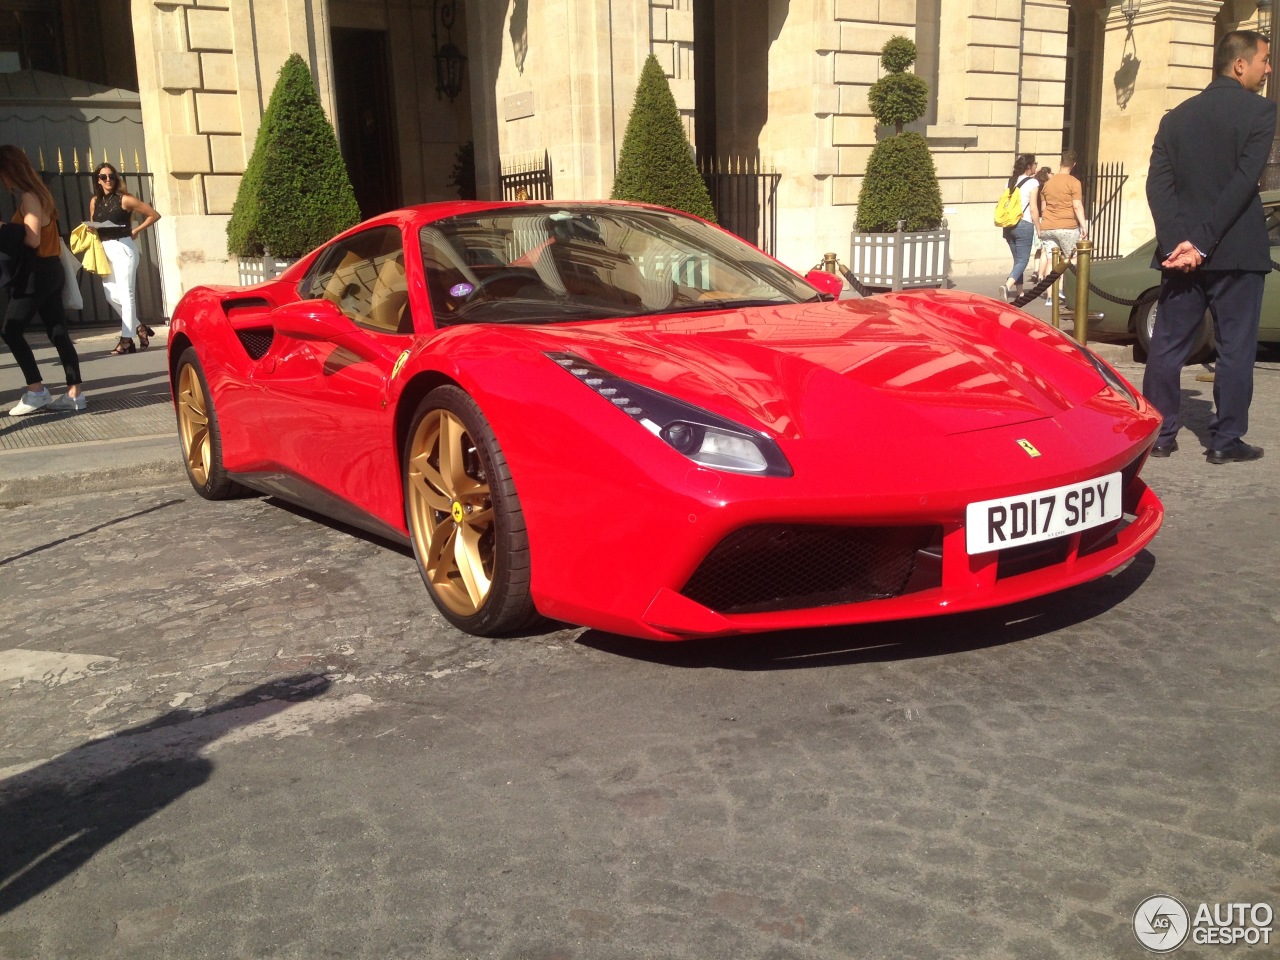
x: 1164, y: 449
x: 1237, y: 451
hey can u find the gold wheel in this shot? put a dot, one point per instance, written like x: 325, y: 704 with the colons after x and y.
x: 193, y: 424
x: 450, y: 512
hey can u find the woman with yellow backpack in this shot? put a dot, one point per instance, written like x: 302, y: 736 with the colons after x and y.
x: 1023, y: 195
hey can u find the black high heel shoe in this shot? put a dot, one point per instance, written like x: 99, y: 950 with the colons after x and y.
x: 124, y: 346
x: 145, y: 334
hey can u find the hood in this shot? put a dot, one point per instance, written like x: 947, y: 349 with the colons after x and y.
x: 929, y: 363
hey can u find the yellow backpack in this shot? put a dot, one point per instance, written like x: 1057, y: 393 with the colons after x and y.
x: 1009, y: 207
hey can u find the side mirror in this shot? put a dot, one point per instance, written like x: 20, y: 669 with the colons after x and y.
x: 828, y: 283
x: 311, y: 320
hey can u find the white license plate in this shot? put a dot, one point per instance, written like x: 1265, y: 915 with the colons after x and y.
x: 1043, y: 515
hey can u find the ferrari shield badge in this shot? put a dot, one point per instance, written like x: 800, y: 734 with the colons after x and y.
x: 1026, y: 446
x: 400, y: 361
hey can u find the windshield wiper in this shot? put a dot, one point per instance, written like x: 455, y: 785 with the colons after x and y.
x: 698, y: 306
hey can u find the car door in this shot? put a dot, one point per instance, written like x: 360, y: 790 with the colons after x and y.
x: 324, y: 403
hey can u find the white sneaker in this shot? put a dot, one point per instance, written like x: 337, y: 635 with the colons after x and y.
x: 68, y: 402
x: 31, y: 402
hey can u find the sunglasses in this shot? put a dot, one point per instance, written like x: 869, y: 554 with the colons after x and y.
x: 106, y: 177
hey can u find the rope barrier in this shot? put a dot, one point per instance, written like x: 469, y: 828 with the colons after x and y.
x: 1035, y: 292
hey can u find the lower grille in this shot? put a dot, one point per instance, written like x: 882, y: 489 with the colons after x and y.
x: 790, y: 566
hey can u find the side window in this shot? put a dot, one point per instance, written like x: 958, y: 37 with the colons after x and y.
x: 364, y: 277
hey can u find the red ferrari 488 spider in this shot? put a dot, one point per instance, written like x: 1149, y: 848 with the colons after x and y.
x: 623, y: 417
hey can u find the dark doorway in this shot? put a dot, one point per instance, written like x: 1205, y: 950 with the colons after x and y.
x: 366, y: 123
x: 731, y: 40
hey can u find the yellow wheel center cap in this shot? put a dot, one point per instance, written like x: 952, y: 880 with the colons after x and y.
x: 457, y: 512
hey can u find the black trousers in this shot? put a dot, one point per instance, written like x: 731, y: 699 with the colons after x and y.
x: 1234, y: 297
x: 43, y: 296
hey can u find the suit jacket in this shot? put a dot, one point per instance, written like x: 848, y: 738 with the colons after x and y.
x: 1202, y: 186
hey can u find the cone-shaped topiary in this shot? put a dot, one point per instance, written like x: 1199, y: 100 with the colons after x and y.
x: 295, y: 193
x: 655, y: 164
x: 900, y: 182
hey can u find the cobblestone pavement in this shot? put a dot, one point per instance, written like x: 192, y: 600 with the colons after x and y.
x: 235, y: 730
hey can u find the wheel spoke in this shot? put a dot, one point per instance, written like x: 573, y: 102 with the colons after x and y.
x: 466, y: 554
x: 478, y: 509
x: 439, y: 559
x: 425, y: 481
x: 196, y: 454
x: 452, y: 460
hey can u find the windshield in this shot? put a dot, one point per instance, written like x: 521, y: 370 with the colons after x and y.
x: 544, y: 263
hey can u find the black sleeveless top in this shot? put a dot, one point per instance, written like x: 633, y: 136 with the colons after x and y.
x: 110, y: 209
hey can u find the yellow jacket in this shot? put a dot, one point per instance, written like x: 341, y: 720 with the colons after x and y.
x: 85, y: 241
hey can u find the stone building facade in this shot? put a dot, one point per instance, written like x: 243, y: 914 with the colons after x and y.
x: 783, y: 82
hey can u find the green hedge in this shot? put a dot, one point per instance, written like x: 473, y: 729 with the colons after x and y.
x: 655, y: 164
x: 295, y: 193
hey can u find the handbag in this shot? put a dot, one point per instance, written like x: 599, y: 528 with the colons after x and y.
x: 71, y: 297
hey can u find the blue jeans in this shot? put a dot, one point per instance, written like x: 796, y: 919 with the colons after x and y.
x: 1019, y: 238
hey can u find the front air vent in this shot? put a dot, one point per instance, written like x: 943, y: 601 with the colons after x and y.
x: 777, y: 566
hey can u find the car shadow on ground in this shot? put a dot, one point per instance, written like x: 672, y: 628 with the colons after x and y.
x: 340, y: 526
x: 58, y: 814
x: 897, y: 640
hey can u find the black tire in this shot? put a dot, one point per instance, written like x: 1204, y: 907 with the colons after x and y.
x: 199, y: 434
x: 464, y: 517
x: 1144, y: 321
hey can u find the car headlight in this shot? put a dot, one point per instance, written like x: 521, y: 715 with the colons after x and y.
x: 1112, y: 378
x: 704, y: 437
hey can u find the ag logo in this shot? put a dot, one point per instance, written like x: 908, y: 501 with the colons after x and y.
x: 1161, y: 924
x: 1028, y: 449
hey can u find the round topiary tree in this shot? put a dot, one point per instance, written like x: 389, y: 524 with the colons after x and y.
x: 900, y: 182
x: 655, y: 164
x: 295, y: 193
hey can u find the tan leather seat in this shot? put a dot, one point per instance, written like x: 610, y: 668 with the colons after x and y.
x: 389, y: 305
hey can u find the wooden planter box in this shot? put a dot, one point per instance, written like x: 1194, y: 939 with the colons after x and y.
x: 903, y: 260
x: 258, y: 269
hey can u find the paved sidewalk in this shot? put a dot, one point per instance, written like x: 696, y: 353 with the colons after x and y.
x: 128, y: 435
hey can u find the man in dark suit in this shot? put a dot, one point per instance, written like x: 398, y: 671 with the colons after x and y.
x: 1211, y: 241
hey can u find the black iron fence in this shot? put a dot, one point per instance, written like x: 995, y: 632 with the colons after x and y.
x: 1102, y: 185
x: 528, y: 179
x: 71, y: 193
x: 745, y: 197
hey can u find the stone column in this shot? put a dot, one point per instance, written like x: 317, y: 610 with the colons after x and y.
x: 1167, y: 58
x: 205, y: 73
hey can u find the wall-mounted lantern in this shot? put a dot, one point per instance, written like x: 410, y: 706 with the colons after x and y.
x: 449, y: 59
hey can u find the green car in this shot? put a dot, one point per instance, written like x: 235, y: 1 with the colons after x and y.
x: 1131, y: 277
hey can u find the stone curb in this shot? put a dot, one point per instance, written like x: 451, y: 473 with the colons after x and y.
x: 31, y: 476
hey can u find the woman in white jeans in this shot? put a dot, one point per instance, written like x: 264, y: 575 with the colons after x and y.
x: 112, y: 208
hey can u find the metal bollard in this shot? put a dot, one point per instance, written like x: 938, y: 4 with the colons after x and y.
x: 1084, y: 251
x: 829, y: 262
x: 1058, y: 263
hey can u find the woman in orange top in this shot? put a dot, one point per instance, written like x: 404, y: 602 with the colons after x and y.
x: 41, y: 291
